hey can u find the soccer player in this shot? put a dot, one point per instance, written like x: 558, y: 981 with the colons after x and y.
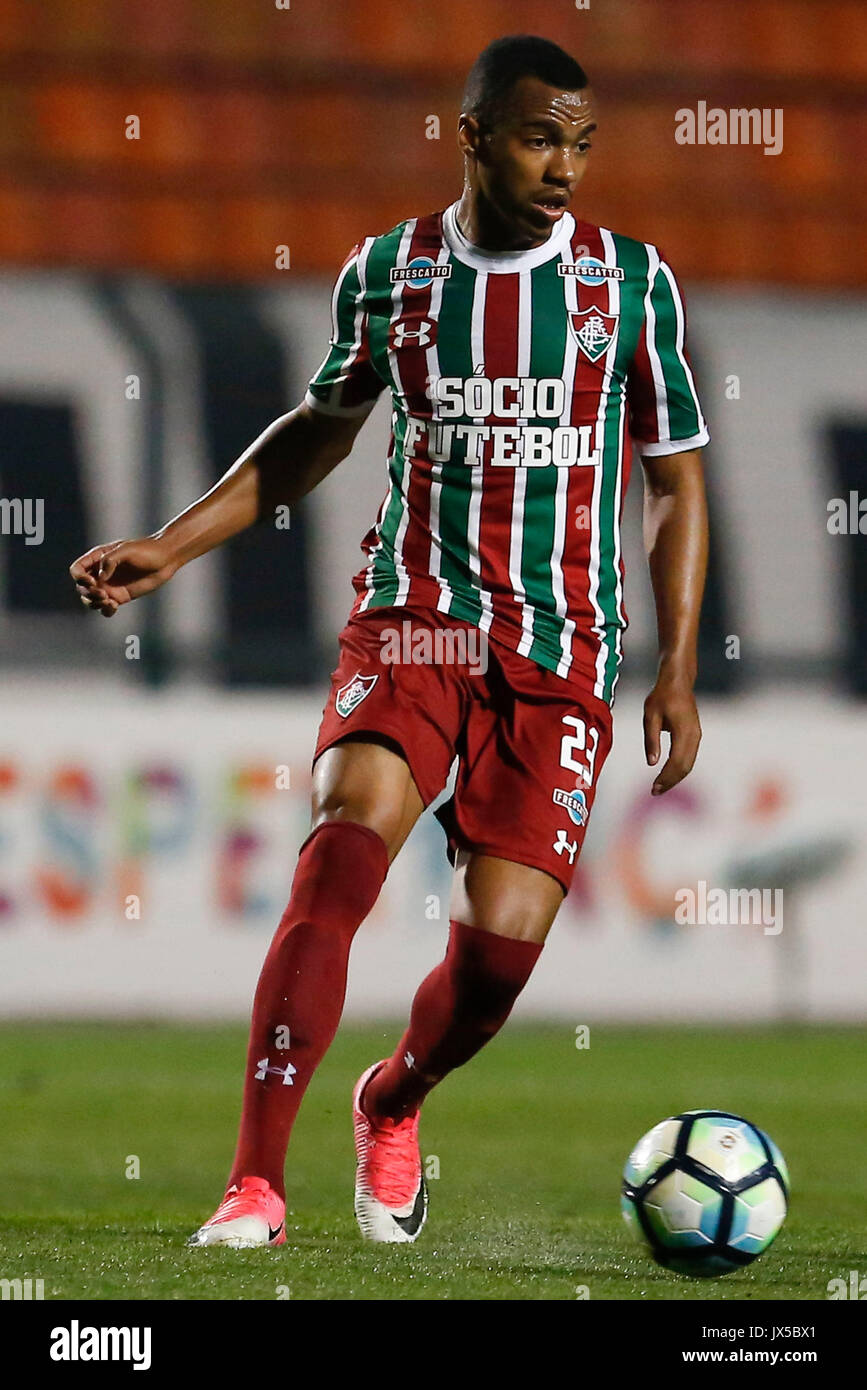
x: 523, y: 350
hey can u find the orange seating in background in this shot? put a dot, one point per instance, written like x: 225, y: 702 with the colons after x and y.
x: 791, y: 38
x: 306, y: 126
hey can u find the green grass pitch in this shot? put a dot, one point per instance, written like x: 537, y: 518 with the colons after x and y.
x: 529, y: 1140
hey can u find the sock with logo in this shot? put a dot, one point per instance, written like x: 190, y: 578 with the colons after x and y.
x: 299, y: 998
x: 464, y: 1001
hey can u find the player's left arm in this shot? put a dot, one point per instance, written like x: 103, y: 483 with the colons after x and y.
x: 669, y: 431
x: 676, y: 541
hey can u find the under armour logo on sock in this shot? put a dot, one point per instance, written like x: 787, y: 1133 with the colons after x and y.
x: 408, y: 1061
x: 563, y: 846
x: 287, y: 1072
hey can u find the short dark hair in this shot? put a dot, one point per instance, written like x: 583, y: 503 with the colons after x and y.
x: 505, y: 61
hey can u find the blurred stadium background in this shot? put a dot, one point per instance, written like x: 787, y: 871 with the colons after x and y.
x: 147, y: 834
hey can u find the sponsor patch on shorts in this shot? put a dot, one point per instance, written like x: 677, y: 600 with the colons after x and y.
x: 575, y: 803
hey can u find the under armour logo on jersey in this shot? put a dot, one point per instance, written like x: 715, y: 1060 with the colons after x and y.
x: 263, y: 1068
x: 563, y: 846
x: 400, y: 334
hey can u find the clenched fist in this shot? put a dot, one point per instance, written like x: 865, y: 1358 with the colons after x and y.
x: 110, y: 575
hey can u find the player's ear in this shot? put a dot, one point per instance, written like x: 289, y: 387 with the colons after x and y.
x: 469, y: 136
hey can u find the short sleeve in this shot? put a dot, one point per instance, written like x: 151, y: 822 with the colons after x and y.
x: 346, y: 383
x: 665, y: 416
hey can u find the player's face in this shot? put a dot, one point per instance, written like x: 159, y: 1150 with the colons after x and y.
x: 528, y: 167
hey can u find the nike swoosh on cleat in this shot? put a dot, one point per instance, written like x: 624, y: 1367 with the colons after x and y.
x: 410, y: 1224
x: 272, y: 1235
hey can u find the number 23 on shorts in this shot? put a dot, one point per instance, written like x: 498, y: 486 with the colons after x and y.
x: 583, y: 740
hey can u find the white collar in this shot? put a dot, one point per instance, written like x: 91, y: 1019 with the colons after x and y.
x: 504, y: 262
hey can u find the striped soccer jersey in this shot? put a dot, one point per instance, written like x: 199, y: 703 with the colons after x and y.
x: 516, y: 380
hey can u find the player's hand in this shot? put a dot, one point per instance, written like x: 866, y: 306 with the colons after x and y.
x: 670, y: 708
x: 110, y: 575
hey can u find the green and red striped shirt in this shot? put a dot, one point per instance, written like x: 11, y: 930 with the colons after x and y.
x: 516, y: 380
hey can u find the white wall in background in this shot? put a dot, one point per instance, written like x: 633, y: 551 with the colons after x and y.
x: 172, y: 799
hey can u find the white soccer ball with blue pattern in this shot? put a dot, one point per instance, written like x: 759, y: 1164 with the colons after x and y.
x: 706, y: 1191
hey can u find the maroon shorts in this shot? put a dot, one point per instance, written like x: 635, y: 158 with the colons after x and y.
x: 530, y: 747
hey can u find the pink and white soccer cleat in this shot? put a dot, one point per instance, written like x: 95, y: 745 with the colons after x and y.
x: 249, y: 1215
x: 390, y: 1191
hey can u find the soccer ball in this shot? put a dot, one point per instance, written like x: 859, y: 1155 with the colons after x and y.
x: 707, y: 1192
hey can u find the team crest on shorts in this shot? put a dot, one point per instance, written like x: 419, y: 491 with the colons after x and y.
x: 350, y: 695
x: 574, y: 802
x: 593, y: 331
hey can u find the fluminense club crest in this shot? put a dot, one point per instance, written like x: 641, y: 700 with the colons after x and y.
x: 350, y: 695
x: 594, y: 331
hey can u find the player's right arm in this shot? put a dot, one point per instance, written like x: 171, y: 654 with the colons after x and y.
x: 286, y: 462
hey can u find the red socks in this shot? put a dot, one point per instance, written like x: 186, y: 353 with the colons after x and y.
x: 299, y: 998
x: 457, y: 1009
